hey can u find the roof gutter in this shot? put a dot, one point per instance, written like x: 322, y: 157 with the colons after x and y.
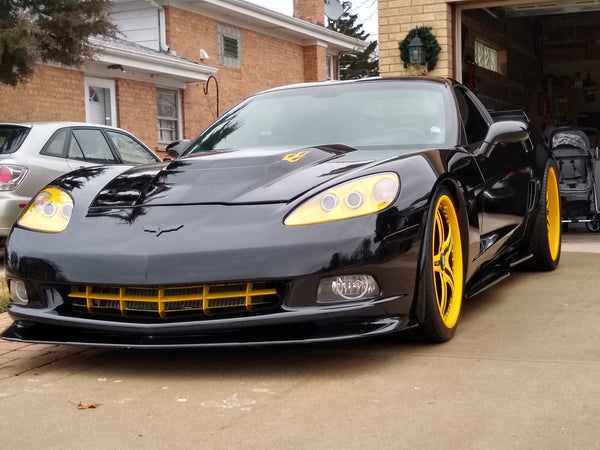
x: 132, y: 58
x: 257, y: 18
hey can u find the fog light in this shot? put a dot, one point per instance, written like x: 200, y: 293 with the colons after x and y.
x: 347, y: 287
x: 18, y: 292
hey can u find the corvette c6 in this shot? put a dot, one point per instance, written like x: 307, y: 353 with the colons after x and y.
x: 306, y: 213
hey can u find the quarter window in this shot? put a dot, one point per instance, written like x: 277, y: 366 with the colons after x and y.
x: 56, y: 144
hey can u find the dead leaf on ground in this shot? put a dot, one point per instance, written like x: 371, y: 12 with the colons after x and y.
x: 81, y: 405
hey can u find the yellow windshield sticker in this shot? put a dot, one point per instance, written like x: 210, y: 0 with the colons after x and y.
x: 295, y: 157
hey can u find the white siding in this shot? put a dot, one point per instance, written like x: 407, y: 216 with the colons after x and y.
x: 138, y: 21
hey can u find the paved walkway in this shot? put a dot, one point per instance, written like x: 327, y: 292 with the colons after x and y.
x: 523, y: 371
x: 579, y: 242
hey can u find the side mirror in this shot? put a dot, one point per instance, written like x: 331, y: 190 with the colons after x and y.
x: 505, y: 131
x: 176, y: 148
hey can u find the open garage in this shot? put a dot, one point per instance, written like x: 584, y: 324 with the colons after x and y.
x: 541, y: 56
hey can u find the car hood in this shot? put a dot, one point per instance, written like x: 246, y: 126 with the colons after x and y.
x: 238, y: 177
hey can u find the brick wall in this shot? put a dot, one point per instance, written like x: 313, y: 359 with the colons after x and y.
x: 58, y: 94
x: 310, y: 10
x: 398, y: 17
x: 47, y: 95
x: 315, y: 63
x: 136, y: 110
x: 266, y: 62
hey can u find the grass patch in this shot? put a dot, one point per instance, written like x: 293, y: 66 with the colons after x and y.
x: 3, y: 294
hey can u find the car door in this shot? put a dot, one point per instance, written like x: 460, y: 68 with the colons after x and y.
x: 503, y: 201
x: 45, y: 162
x: 87, y: 146
x: 129, y: 149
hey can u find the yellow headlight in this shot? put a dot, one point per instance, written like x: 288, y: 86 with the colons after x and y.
x: 50, y: 211
x: 354, y: 198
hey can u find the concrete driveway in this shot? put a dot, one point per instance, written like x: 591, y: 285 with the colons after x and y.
x: 523, y: 371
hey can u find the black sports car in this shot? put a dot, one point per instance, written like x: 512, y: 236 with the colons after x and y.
x: 306, y: 213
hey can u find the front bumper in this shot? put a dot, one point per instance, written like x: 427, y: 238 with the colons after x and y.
x: 285, y: 327
x: 103, y: 252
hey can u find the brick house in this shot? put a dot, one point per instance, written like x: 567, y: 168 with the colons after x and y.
x: 538, y: 55
x: 174, y: 58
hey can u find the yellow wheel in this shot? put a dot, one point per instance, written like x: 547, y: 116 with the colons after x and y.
x: 443, y: 283
x: 553, y: 218
x: 547, y: 233
x: 447, y: 262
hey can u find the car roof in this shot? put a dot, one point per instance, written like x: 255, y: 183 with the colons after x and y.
x: 428, y: 79
x: 42, y: 130
x: 55, y: 124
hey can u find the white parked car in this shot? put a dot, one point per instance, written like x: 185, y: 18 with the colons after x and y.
x: 32, y: 154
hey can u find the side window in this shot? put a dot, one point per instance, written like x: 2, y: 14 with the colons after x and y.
x: 489, y: 56
x: 330, y: 68
x: 90, y: 145
x: 168, y: 115
x: 11, y: 138
x: 474, y: 123
x: 56, y: 144
x: 131, y: 151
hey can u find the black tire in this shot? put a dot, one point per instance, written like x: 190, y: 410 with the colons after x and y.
x: 593, y: 226
x: 547, y: 232
x: 442, y: 280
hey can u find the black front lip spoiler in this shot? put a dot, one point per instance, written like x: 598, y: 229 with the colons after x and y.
x: 302, y: 325
x: 294, y: 333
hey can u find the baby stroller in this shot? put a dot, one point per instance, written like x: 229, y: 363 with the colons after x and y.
x: 577, y: 182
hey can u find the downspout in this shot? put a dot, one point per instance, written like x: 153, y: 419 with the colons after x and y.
x: 162, y: 27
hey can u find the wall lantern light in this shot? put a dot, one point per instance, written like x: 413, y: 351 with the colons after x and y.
x: 416, y: 52
x: 419, y: 50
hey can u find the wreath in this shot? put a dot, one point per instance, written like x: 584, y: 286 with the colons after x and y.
x: 432, y: 48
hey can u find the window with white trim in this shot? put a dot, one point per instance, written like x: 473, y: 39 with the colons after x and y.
x: 229, y: 46
x: 331, y: 68
x: 168, y: 115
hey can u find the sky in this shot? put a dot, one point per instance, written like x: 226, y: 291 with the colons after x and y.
x: 366, y: 10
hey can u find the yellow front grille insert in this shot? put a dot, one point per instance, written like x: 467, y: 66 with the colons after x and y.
x: 165, y: 301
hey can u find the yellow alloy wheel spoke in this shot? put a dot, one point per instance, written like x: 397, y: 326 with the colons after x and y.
x: 442, y: 264
x: 447, y: 260
x: 549, y: 211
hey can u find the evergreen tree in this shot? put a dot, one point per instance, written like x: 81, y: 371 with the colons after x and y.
x: 41, y: 31
x: 359, y: 65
